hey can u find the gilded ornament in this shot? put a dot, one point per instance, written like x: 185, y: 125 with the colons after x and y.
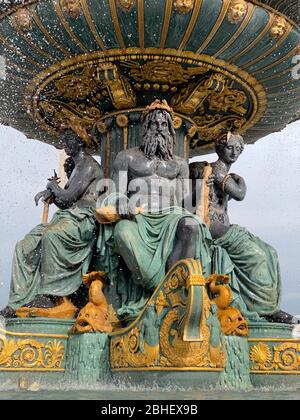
x: 31, y: 354
x: 132, y: 349
x: 287, y: 357
x: 161, y: 303
x: 192, y: 98
x: 122, y: 120
x: 71, y: 8
x: 231, y: 320
x: 237, y: 11
x: 118, y: 86
x: 279, y: 27
x: 177, y: 122
x: 261, y: 355
x: 126, y: 5
x: 97, y: 315
x: 184, y: 6
x: 161, y: 71
x: 23, y: 19
x: 236, y: 90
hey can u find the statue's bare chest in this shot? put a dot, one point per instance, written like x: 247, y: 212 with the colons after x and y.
x: 145, y: 168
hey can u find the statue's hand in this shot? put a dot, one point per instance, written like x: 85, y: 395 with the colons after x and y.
x: 52, y: 185
x: 215, y: 179
x: 123, y: 208
x: 45, y: 195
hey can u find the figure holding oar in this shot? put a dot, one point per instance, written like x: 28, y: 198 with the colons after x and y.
x: 50, y: 261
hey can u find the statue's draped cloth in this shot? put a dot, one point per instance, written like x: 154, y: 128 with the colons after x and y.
x: 147, y: 243
x: 254, y: 269
x: 52, y: 258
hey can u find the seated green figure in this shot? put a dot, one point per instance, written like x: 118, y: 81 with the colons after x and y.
x: 252, y: 264
x: 49, y: 262
x: 155, y: 231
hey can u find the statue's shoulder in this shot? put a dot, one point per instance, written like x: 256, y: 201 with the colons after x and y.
x: 129, y: 154
x: 197, y: 169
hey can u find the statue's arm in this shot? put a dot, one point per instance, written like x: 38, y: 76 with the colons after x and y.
x: 79, y: 183
x: 235, y: 186
x: 120, y: 179
x: 120, y: 173
x: 183, y: 190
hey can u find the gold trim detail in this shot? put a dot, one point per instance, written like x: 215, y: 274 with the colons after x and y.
x: 30, y: 334
x: 67, y: 27
x: 191, y: 26
x: 187, y: 64
x: 115, y: 19
x: 91, y: 24
x: 141, y: 23
x: 169, y: 369
x: 216, y: 27
x: 48, y: 36
x: 30, y: 354
x: 166, y: 24
x: 281, y: 358
x: 242, y: 27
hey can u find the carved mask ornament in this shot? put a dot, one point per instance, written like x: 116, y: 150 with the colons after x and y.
x: 127, y: 5
x: 279, y: 27
x: 184, y: 6
x: 237, y: 11
x: 233, y: 323
x: 23, y: 19
x: 71, y: 8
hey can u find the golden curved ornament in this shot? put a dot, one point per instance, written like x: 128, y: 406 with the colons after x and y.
x: 30, y: 354
x: 208, y: 122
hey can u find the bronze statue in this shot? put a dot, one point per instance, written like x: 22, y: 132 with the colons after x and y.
x: 152, y: 179
x: 255, y: 275
x: 49, y: 262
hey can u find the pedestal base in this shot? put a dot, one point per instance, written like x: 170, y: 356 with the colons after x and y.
x: 42, y: 352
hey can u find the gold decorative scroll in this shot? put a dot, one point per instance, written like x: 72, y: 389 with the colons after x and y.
x: 30, y: 354
x: 280, y: 359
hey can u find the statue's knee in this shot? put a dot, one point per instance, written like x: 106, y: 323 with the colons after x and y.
x: 123, y: 231
x: 188, y: 228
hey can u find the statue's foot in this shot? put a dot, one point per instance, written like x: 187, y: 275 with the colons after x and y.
x: 282, y: 317
x: 63, y: 310
x: 8, y: 312
x: 43, y: 301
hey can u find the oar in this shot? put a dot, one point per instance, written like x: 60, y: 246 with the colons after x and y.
x: 203, y: 209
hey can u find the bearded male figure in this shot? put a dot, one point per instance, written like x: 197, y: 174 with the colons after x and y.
x: 151, y: 179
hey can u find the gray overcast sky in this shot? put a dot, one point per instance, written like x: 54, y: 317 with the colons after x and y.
x: 271, y: 210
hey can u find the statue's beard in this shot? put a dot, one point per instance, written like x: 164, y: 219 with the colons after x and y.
x: 158, y: 145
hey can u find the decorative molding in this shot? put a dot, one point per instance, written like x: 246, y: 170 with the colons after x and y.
x: 30, y: 354
x: 281, y: 358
